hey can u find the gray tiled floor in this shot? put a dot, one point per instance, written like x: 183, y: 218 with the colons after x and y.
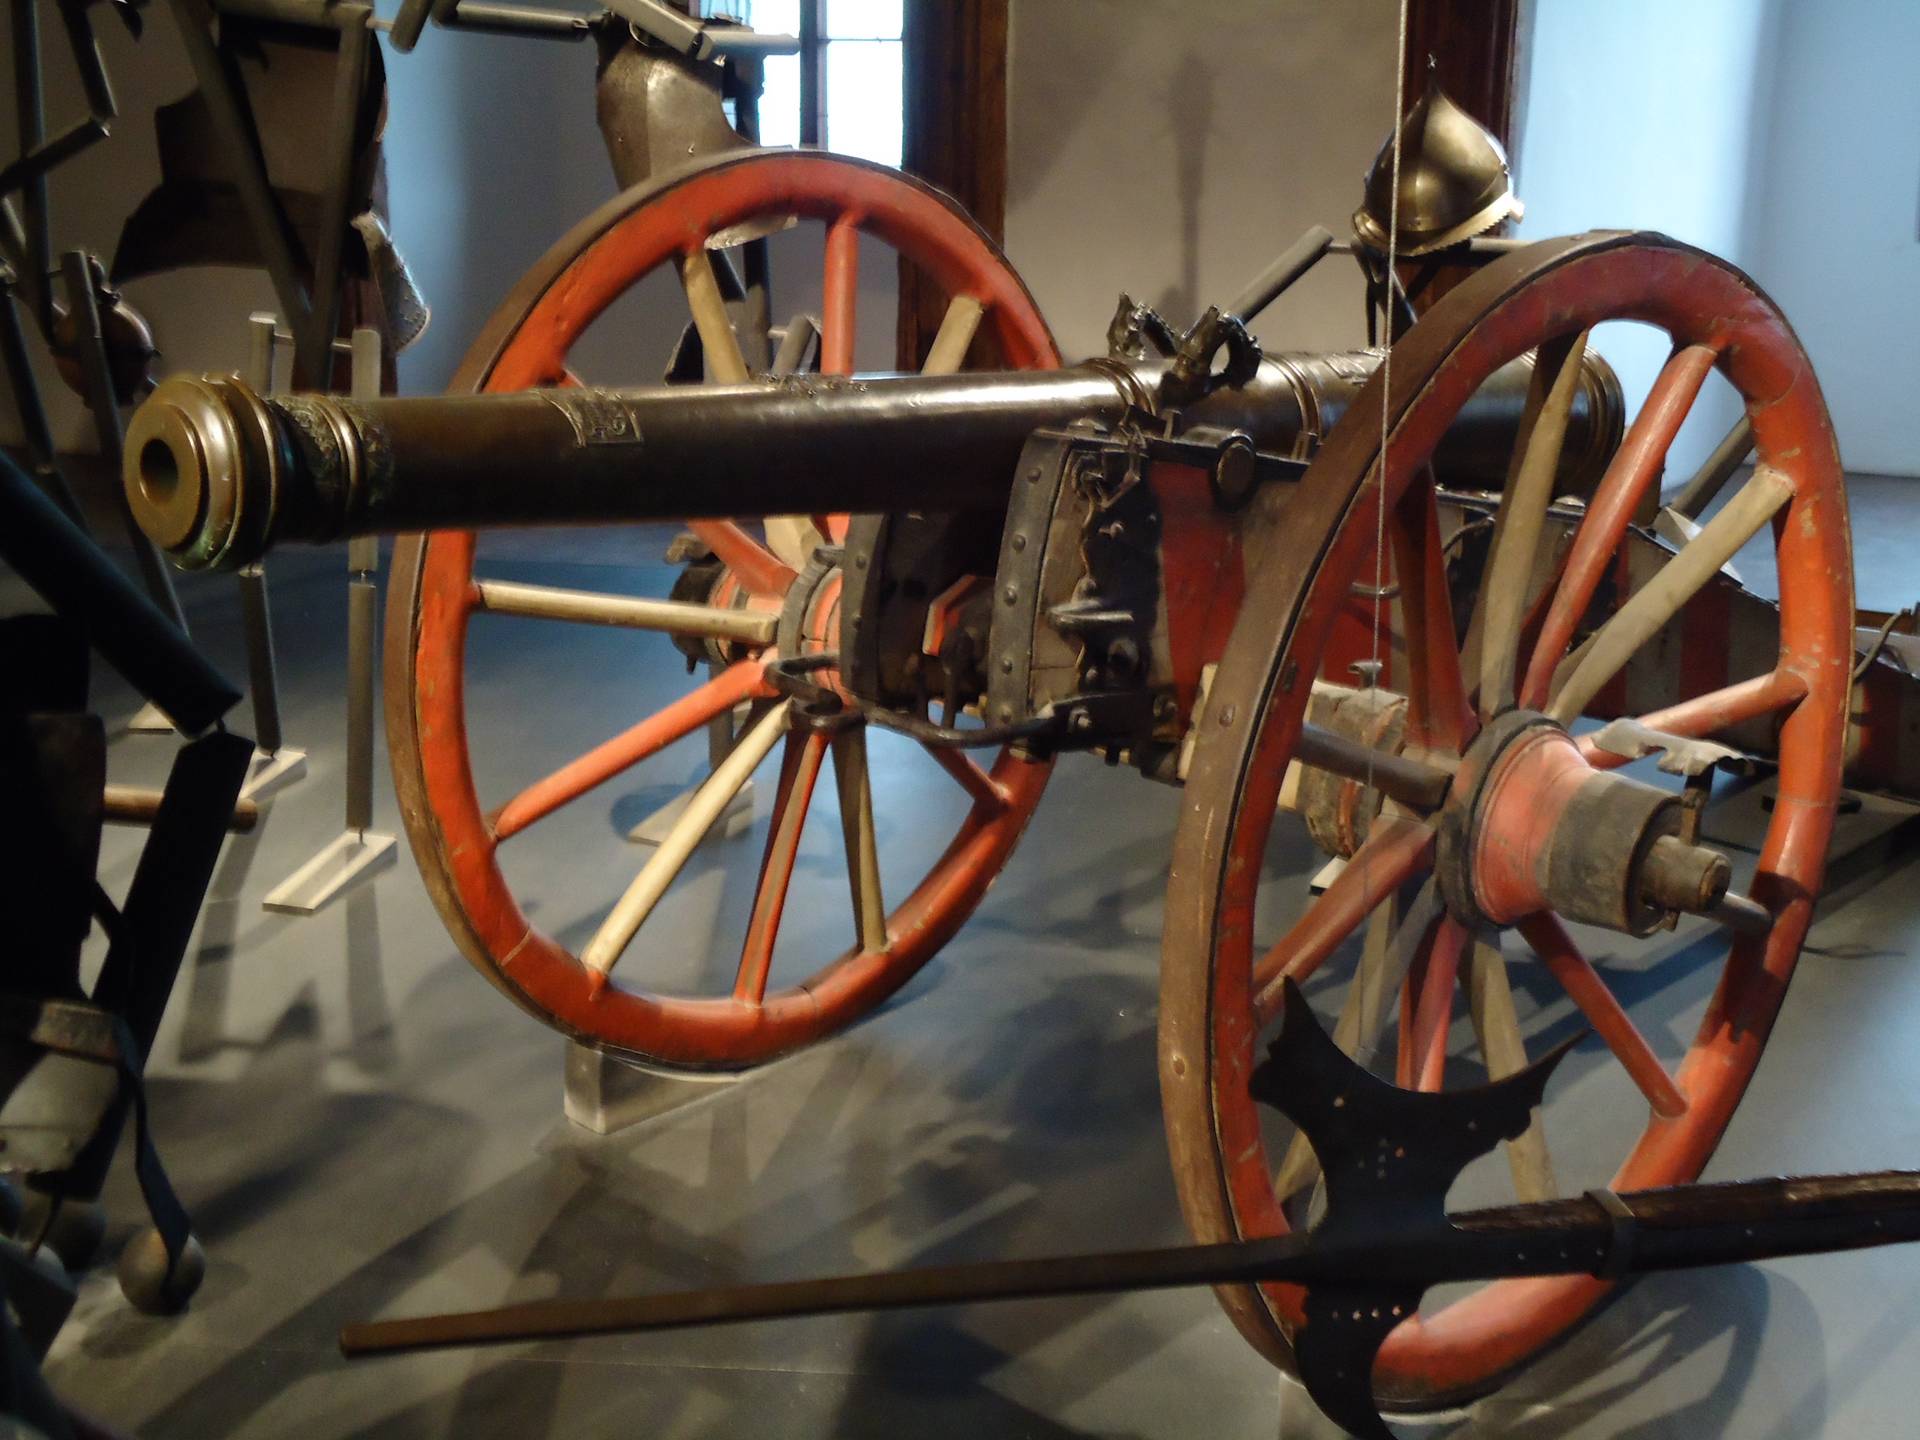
x: 363, y: 1127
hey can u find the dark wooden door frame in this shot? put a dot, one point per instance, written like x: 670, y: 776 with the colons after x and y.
x: 1476, y: 49
x: 954, y: 80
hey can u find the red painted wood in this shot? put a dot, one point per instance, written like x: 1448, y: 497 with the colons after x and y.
x: 530, y: 346
x: 1433, y: 1011
x: 1712, y: 713
x: 798, y: 772
x: 1635, y: 466
x: 732, y: 686
x: 1583, y: 984
x: 1395, y: 852
x: 1202, y: 574
x: 1438, y: 715
x: 1465, y: 1347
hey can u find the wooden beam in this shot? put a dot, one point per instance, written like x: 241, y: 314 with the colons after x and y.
x: 954, y: 78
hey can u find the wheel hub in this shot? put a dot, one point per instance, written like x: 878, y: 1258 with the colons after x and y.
x: 810, y: 615
x: 1531, y: 826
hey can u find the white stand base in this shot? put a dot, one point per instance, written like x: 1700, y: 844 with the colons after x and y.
x: 736, y: 819
x: 348, y: 860
x: 150, y: 719
x: 604, y: 1094
x: 269, y: 772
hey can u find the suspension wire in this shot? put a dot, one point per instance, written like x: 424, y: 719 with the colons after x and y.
x: 1386, y: 377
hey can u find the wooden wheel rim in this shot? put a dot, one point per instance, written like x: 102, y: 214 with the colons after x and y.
x: 1208, y: 1032
x: 525, y: 343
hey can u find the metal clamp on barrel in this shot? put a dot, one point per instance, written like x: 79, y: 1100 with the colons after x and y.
x: 1624, y: 1238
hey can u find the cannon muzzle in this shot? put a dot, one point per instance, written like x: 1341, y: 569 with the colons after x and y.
x: 217, y: 474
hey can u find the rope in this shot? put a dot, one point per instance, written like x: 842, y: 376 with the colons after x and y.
x: 1386, y: 370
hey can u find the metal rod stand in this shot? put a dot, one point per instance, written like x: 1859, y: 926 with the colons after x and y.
x: 275, y: 764
x: 360, y: 850
x: 79, y: 274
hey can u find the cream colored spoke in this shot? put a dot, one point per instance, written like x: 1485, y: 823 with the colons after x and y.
x: 863, y: 852
x: 1522, y: 515
x: 955, y: 335
x: 705, y: 806
x: 793, y: 538
x: 1659, y: 600
x: 719, y: 346
x: 1496, y: 1026
x: 1363, y: 1016
x: 590, y: 607
x: 795, y: 345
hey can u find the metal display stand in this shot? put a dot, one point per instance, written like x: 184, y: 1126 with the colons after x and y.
x: 605, y: 1093
x: 80, y: 275
x: 360, y: 850
x: 275, y: 764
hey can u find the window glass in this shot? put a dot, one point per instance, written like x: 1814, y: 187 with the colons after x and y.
x: 863, y: 19
x: 776, y: 17
x: 863, y: 99
x: 780, y: 100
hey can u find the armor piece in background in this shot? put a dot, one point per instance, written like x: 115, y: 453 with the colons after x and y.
x: 1454, y: 181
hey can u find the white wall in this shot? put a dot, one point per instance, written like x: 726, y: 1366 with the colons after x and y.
x: 1172, y: 150
x: 1835, y: 234
x: 1642, y: 114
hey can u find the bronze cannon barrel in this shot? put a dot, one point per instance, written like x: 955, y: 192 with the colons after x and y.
x: 217, y: 474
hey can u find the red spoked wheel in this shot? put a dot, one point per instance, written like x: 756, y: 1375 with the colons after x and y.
x: 757, y: 586
x: 1409, y: 934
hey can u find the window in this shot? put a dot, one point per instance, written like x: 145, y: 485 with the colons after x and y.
x: 848, y: 73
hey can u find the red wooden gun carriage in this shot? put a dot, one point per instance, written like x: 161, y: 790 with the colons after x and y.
x: 1361, y: 613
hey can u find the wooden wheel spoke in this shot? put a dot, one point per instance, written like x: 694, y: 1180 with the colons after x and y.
x: 791, y: 539
x: 1634, y: 467
x: 1712, y: 713
x: 798, y: 770
x: 968, y: 772
x: 1521, y: 518
x: 796, y: 346
x: 1650, y: 607
x: 794, y: 538
x: 589, y: 607
x: 1438, y: 717
x: 839, y: 290
x: 719, y: 345
x: 851, y: 774
x: 954, y: 337
x: 1385, y: 957
x: 839, y: 294
x: 1577, y: 977
x: 1433, y: 1009
x: 1394, y: 851
x: 703, y: 808
x: 737, y: 683
x: 759, y: 569
x: 1496, y: 1029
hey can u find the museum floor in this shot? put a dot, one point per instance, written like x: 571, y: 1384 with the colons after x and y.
x: 362, y: 1127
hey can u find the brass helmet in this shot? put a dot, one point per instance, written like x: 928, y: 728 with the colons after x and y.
x: 1454, y: 181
